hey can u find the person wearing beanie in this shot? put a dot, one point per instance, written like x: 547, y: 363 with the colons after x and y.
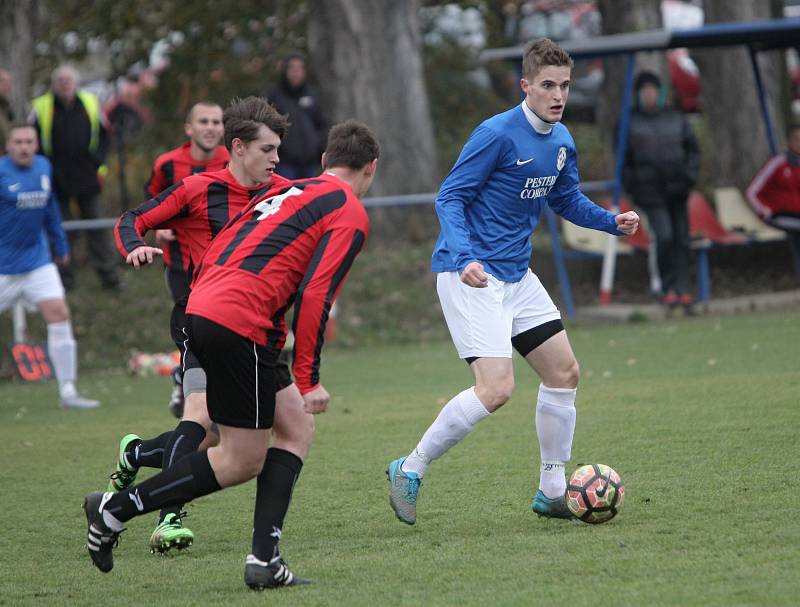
x: 661, y: 166
x: 304, y: 142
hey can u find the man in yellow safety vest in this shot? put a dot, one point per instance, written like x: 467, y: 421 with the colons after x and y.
x: 73, y: 136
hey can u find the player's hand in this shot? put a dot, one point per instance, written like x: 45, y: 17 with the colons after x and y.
x: 141, y: 256
x: 317, y: 400
x: 165, y: 235
x: 627, y: 222
x: 61, y: 261
x: 474, y: 276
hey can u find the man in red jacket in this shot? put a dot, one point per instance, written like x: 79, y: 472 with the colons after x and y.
x: 774, y: 193
x: 294, y: 244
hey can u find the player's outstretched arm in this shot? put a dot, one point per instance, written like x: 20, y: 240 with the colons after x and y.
x: 141, y: 256
x: 627, y: 222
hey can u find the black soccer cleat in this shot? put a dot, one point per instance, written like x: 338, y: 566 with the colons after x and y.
x: 260, y: 575
x: 101, y: 540
x: 176, y: 398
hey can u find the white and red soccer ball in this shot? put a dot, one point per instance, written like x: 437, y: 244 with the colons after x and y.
x: 595, y: 493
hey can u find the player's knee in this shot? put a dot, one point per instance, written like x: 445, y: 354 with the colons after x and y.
x: 566, y: 375
x: 55, y: 310
x: 497, y: 393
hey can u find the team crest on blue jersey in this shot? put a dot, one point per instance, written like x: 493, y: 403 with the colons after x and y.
x: 45, y: 181
x: 561, y: 159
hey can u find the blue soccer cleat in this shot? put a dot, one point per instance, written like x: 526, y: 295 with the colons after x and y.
x: 403, y: 494
x: 551, y: 507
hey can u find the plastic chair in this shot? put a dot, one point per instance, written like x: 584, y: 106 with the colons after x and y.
x: 736, y: 216
x: 703, y: 223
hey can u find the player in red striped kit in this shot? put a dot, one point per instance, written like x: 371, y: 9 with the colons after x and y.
x: 203, y: 152
x: 293, y: 245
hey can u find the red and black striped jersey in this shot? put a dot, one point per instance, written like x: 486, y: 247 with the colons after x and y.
x: 197, y: 207
x: 170, y: 168
x: 294, y: 245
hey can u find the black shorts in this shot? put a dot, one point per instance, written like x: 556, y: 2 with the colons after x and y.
x: 178, y: 284
x: 283, y: 376
x: 242, y: 375
x: 179, y: 328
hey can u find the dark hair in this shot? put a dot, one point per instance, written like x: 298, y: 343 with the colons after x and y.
x: 350, y: 144
x: 646, y: 77
x: 243, y: 118
x: 203, y: 102
x: 541, y: 53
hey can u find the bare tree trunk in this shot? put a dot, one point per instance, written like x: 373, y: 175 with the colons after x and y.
x: 624, y: 16
x: 18, y: 23
x: 730, y: 99
x: 367, y: 55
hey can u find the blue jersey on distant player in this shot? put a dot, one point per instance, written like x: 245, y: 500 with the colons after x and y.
x: 29, y: 217
x: 490, y: 202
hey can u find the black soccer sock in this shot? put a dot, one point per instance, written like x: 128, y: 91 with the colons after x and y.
x: 148, y: 453
x: 185, y: 439
x: 273, y: 495
x: 189, y: 478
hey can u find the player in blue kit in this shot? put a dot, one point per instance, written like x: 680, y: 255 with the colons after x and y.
x: 488, y: 207
x: 31, y: 222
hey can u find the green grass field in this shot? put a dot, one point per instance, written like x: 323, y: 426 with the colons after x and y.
x: 700, y: 416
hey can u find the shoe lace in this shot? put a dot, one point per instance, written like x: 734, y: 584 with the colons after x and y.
x: 123, y: 475
x: 412, y: 489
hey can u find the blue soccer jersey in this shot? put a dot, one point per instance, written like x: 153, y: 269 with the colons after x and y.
x: 29, y: 217
x: 491, y: 201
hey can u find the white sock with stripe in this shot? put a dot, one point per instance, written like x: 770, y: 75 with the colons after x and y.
x: 456, y: 419
x: 555, y: 427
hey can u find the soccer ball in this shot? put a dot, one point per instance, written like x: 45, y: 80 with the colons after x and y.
x: 595, y: 493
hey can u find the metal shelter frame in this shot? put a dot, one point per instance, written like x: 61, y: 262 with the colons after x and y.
x: 755, y: 35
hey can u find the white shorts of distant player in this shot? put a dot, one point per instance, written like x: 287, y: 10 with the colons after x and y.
x: 31, y: 288
x: 482, y: 321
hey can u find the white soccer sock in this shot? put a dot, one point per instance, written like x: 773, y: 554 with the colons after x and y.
x: 456, y: 419
x: 63, y: 354
x: 555, y: 426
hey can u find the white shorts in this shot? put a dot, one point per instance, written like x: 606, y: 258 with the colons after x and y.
x: 31, y: 288
x: 483, y: 321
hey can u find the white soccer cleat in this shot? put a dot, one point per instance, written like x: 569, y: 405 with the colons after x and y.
x: 76, y: 401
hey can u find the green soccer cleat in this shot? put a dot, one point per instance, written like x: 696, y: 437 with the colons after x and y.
x: 169, y: 534
x: 551, y: 507
x: 124, y: 475
x: 403, y: 494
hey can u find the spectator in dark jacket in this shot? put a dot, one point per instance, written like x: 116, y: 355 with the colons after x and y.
x: 302, y: 147
x: 72, y: 134
x: 661, y: 167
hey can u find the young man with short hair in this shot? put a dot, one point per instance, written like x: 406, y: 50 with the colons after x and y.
x: 31, y: 221
x: 488, y: 207
x: 202, y: 153
x: 292, y: 245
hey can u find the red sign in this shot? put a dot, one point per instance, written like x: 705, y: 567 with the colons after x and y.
x: 32, y: 362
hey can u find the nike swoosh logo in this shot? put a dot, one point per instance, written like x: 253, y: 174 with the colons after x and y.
x: 14, y: 187
x: 520, y: 162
